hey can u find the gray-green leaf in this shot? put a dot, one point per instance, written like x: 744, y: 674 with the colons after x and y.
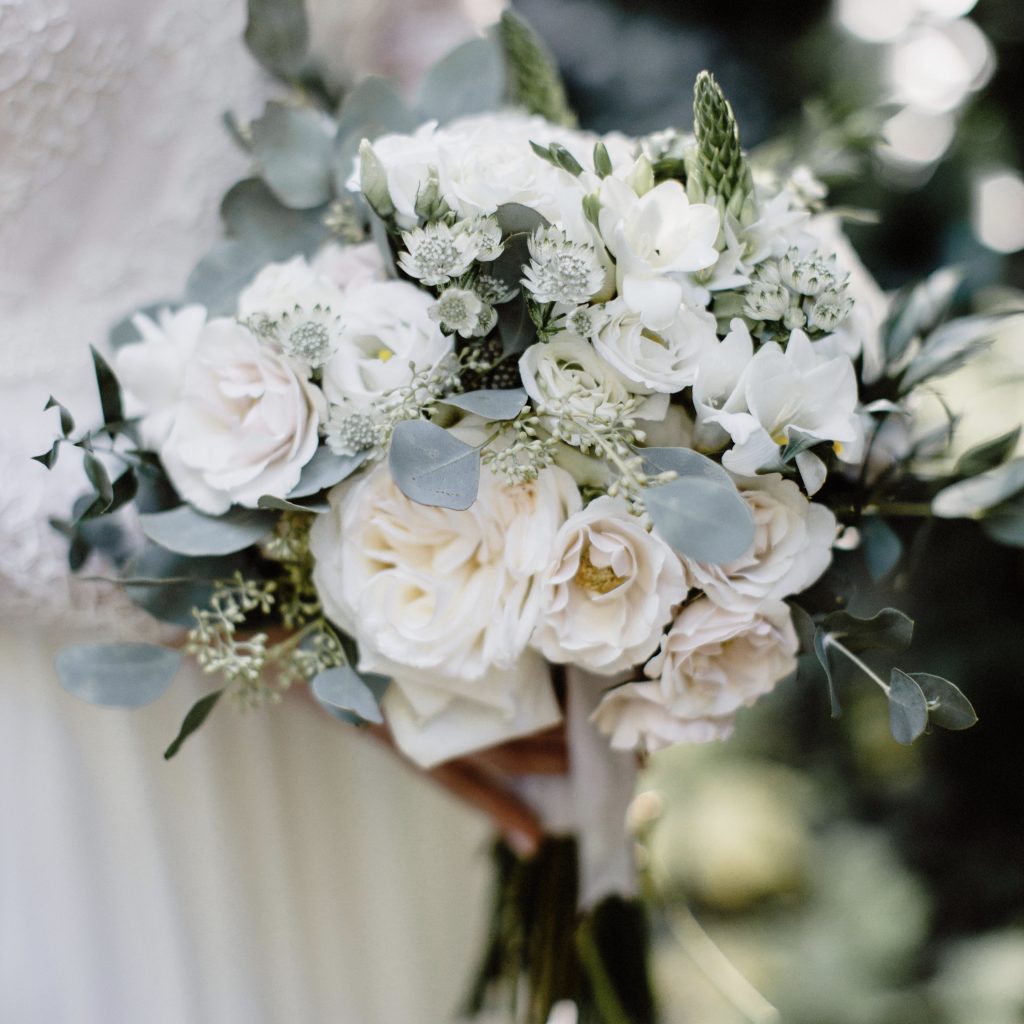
x: 908, y: 708
x: 294, y: 153
x: 889, y: 630
x: 344, y: 689
x: 505, y: 404
x: 188, y: 532
x: 277, y: 35
x: 988, y: 454
x: 469, y: 80
x: 969, y: 499
x: 325, y: 470
x: 432, y: 467
x: 948, y: 708
x: 117, y: 675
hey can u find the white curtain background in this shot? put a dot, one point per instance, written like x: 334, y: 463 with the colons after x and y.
x: 281, y: 868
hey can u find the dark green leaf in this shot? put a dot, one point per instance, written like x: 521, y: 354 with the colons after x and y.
x: 311, y: 505
x: 67, y: 421
x: 882, y: 547
x: 889, y: 630
x: 562, y: 158
x: 908, y: 708
x: 110, y: 390
x: 294, y: 152
x: 515, y: 219
x: 188, y: 532
x: 277, y: 35
x: 602, y: 161
x: 987, y: 455
x: 533, y: 79
x: 515, y: 327
x: 197, y: 715
x: 432, y: 467
x: 503, y: 404
x: 49, y: 458
x: 948, y: 708
x: 117, y: 675
x: 123, y: 490
x: 325, y: 470
x: 344, y: 689
x: 100, y: 479
x: 469, y: 80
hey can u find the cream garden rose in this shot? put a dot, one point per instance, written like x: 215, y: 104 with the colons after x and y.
x: 792, y: 548
x: 610, y: 591
x: 245, y: 424
x: 383, y: 327
x: 445, y: 602
x: 279, y: 287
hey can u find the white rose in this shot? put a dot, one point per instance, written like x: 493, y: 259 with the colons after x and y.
x: 279, y: 287
x: 153, y: 370
x: 245, y: 425
x: 407, y: 160
x: 566, y: 372
x: 610, y: 590
x: 350, y: 266
x: 637, y: 716
x: 713, y: 661
x: 666, y: 360
x: 382, y: 328
x: 656, y: 238
x: 792, y: 548
x: 445, y: 603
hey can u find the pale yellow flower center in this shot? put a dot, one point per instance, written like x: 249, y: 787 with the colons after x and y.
x: 384, y: 354
x: 600, y: 580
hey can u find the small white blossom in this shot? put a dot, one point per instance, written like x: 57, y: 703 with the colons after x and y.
x: 435, y: 253
x: 485, y: 233
x: 458, y: 309
x: 829, y: 310
x: 493, y: 290
x: 309, y: 337
x: 585, y: 321
x: 349, y: 431
x: 807, y: 275
x: 560, y: 270
x: 794, y: 319
x: 766, y: 301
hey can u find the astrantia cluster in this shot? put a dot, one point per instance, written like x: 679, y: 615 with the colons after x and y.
x: 594, y: 402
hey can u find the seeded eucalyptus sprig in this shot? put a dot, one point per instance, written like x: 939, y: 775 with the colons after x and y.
x: 719, y: 172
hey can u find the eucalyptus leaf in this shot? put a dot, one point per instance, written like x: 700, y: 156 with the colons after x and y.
x: 969, y: 499
x: 948, y: 708
x: 1005, y: 522
x: 516, y: 328
x: 882, y: 547
x: 186, y: 531
x: 888, y: 630
x: 918, y: 310
x: 344, y: 689
x: 197, y: 715
x: 469, y: 80
x: 325, y: 470
x: 67, y: 421
x: 821, y: 649
x: 117, y: 675
x: 515, y: 218
x: 988, y: 454
x: 269, y: 501
x: 371, y: 108
x: 100, y: 480
x: 433, y: 467
x: 505, y: 404
x: 277, y: 34
x: 122, y: 491
x: 908, y: 708
x: 947, y: 348
x: 294, y: 152
x: 109, y: 389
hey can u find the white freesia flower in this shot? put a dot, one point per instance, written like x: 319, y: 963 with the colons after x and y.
x: 792, y: 548
x: 712, y: 662
x: 766, y: 399
x: 636, y: 716
x: 610, y: 591
x: 445, y: 602
x: 152, y: 370
x: 279, y: 287
x: 384, y: 327
x: 665, y: 360
x: 566, y: 374
x: 655, y: 238
x: 246, y: 423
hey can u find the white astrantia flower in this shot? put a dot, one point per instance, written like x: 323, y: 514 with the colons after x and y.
x: 792, y: 548
x: 279, y: 287
x: 561, y: 270
x: 349, y: 431
x: 459, y: 310
x: 152, y: 370
x: 712, y: 662
x: 567, y: 376
x: 609, y: 592
x: 584, y: 320
x: 636, y: 716
x: 809, y: 274
x: 310, y: 337
x: 384, y: 328
x: 485, y: 233
x: 245, y: 425
x: 436, y: 253
x: 829, y: 309
x: 665, y: 360
x: 765, y: 300
x: 655, y: 239
x: 445, y: 602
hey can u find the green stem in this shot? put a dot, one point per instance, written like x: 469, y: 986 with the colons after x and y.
x: 900, y: 508
x: 831, y: 641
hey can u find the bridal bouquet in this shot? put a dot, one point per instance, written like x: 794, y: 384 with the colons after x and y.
x: 470, y: 399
